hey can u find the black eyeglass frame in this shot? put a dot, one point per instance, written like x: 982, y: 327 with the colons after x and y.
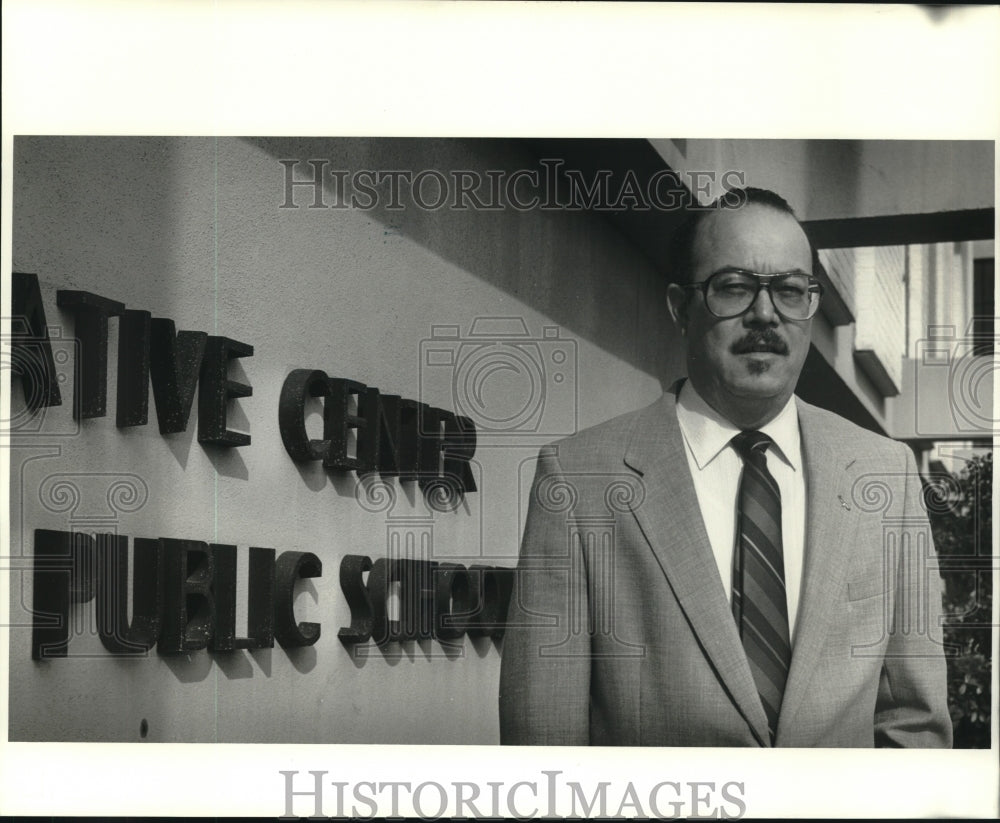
x: 764, y: 281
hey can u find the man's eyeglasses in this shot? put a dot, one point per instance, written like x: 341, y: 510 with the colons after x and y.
x: 731, y: 292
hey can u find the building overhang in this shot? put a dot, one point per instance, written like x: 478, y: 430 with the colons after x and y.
x: 902, y: 229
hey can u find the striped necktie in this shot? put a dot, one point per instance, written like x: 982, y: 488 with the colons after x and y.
x: 759, y: 603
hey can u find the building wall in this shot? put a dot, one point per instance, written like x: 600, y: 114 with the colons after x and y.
x: 907, y: 301
x: 880, y: 332
x: 827, y: 179
x: 840, y: 265
x: 192, y: 230
x: 947, y: 389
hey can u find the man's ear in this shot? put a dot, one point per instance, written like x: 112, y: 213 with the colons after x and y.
x: 677, y: 303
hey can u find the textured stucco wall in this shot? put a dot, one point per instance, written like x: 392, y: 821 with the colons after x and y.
x: 191, y: 229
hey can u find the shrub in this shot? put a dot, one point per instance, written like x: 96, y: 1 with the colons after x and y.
x: 961, y: 515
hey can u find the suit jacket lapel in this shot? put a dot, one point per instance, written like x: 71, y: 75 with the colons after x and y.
x: 830, y: 535
x: 671, y: 521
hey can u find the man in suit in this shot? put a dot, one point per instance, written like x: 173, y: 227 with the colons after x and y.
x: 730, y: 566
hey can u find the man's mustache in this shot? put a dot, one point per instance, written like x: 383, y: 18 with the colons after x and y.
x: 756, y: 340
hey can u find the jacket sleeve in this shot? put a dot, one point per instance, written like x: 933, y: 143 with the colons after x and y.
x: 545, y: 668
x: 912, y: 706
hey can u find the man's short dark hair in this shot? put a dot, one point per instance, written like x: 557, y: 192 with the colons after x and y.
x: 681, y: 247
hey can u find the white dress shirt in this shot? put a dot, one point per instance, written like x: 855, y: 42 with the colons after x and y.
x: 716, y: 467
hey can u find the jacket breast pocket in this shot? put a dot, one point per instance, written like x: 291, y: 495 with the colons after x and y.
x: 868, y: 618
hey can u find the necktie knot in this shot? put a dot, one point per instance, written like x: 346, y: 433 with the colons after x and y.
x: 751, y: 443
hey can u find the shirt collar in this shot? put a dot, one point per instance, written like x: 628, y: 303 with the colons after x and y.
x: 707, y: 432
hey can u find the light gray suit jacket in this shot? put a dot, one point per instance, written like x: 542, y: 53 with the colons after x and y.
x: 620, y: 632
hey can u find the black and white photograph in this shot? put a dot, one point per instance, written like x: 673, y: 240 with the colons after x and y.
x: 501, y: 470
